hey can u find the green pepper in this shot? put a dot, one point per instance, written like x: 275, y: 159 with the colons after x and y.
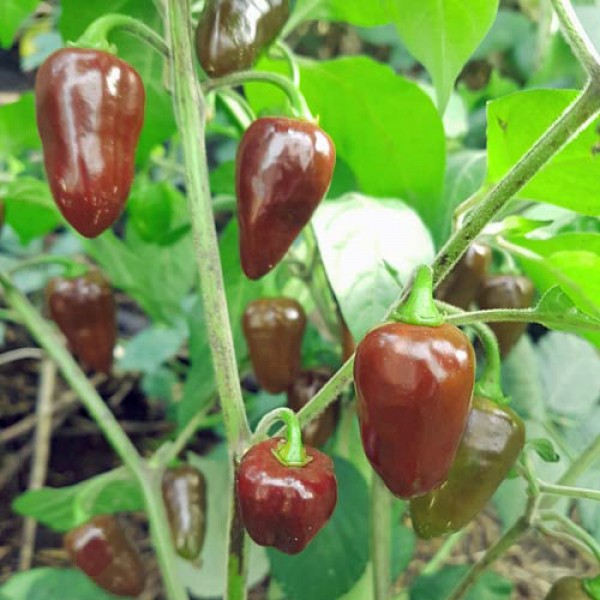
x: 492, y: 442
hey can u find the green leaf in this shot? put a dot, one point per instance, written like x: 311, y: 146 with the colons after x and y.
x: 64, y: 508
x: 12, y: 15
x: 30, y: 208
x: 442, y: 35
x: 490, y: 586
x: 150, y: 348
x: 570, y: 373
x: 570, y: 179
x: 336, y: 558
x: 159, y: 384
x: 355, y: 12
x: 385, y: 128
x: 207, y: 580
x: 159, y: 121
x: 158, y: 277
x: 544, y: 449
x: 18, y: 131
x: 52, y: 584
x: 360, y: 238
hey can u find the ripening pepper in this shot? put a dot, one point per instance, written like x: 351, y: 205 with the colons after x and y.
x: 90, y: 111
x: 285, y: 506
x: 184, y: 494
x: 103, y: 552
x: 305, y: 386
x: 570, y: 588
x: 84, y: 310
x: 414, y: 385
x: 506, y: 291
x: 461, y: 286
x: 283, y: 170
x: 273, y: 328
x: 491, y: 444
x: 231, y: 34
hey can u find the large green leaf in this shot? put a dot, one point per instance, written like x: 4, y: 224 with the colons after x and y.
x: 12, y: 15
x: 159, y: 122
x: 52, y: 584
x: 18, y: 131
x: 442, y: 35
x: 369, y: 247
x: 570, y: 179
x: 384, y: 127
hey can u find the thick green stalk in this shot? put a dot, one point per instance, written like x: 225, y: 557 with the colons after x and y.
x: 381, y: 537
x: 190, y: 114
x: 47, y: 339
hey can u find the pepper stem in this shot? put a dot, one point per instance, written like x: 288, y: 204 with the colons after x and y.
x: 592, y: 587
x: 292, y: 452
x: 420, y: 308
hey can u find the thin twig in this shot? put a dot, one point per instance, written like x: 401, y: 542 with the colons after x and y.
x: 41, y: 452
x: 21, y: 354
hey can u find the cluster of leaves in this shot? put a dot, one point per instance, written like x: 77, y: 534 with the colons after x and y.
x: 401, y: 172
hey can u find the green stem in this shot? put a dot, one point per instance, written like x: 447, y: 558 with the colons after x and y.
x: 573, y: 529
x: 238, y: 107
x: 96, y: 35
x: 292, y: 453
x: 297, y: 100
x: 569, y: 491
x: 72, y: 267
x: 443, y: 553
x: 288, y: 55
x: 527, y: 315
x: 190, y: 114
x: 381, y: 538
x: 420, y: 308
x: 577, y: 38
x: 47, y: 339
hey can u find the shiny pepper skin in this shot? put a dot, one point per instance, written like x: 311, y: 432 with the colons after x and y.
x: 568, y: 588
x: 506, y: 291
x: 283, y: 170
x: 281, y: 506
x: 184, y: 493
x: 102, y: 551
x: 461, y: 286
x: 90, y: 111
x: 84, y: 310
x: 491, y: 444
x: 414, y: 387
x: 231, y: 34
x: 273, y: 328
x: 306, y: 385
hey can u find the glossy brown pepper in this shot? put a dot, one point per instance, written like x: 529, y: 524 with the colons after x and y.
x: 90, y: 111
x: 283, y: 170
x: 102, y: 551
x: 506, y: 291
x: 84, y: 310
x: 491, y: 444
x: 568, y: 588
x: 273, y: 328
x: 184, y: 493
x: 414, y: 387
x: 231, y: 34
x: 305, y: 386
x: 285, y: 506
x: 461, y: 286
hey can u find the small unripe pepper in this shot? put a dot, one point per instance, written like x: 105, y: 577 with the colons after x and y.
x: 184, y: 493
x: 573, y: 588
x: 84, y: 310
x: 231, y: 34
x: 90, y: 111
x: 102, y: 551
x: 281, y: 505
x: 491, y: 444
x: 461, y: 286
x: 283, y: 170
x: 506, y: 291
x: 305, y: 386
x: 273, y: 328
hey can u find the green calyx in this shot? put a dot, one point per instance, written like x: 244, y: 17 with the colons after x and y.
x: 420, y: 308
x: 291, y: 453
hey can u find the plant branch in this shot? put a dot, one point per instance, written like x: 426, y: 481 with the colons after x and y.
x: 573, y: 530
x: 443, y: 553
x: 381, y: 538
x: 569, y: 491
